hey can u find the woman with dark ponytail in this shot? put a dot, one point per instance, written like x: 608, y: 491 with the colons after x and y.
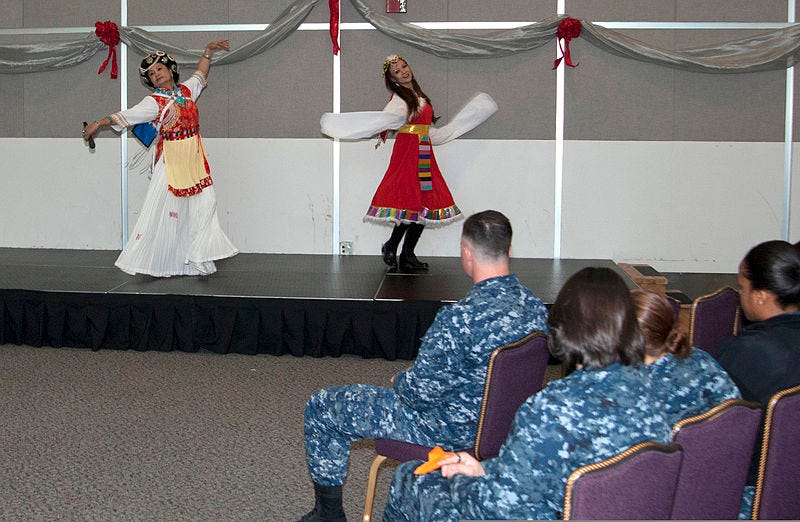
x: 413, y: 192
x: 764, y: 357
x: 689, y: 380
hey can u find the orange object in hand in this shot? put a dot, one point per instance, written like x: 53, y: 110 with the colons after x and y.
x: 435, y: 456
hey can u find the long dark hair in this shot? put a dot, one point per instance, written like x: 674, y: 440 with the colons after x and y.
x: 659, y: 325
x: 593, y: 321
x: 775, y: 266
x: 408, y: 95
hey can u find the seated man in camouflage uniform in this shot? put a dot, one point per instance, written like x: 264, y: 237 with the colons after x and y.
x: 603, y: 407
x: 438, y: 399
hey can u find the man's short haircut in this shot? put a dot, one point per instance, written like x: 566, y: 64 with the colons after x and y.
x: 489, y: 233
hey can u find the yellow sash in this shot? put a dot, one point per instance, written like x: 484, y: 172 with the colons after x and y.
x: 414, y: 128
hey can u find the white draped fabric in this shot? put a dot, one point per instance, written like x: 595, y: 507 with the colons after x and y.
x: 777, y: 49
x: 768, y: 50
x: 47, y: 56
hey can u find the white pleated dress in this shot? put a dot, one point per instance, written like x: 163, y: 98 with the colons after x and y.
x: 177, y: 232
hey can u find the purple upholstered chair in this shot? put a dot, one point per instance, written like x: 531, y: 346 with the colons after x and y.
x: 777, y: 495
x: 717, y: 448
x: 714, y: 317
x: 675, y: 305
x: 637, y: 484
x: 515, y: 372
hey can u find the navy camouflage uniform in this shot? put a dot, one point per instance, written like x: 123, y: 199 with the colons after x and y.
x: 691, y: 386
x: 438, y: 399
x: 588, y: 416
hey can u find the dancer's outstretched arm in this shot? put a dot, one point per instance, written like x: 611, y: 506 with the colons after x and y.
x: 204, y: 64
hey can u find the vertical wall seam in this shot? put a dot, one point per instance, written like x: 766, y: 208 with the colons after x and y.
x: 123, y: 140
x: 788, y: 139
x: 558, y: 174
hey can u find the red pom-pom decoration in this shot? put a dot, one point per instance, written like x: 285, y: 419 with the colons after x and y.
x: 108, y: 33
x: 568, y: 29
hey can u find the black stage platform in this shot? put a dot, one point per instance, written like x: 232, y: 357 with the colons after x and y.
x: 314, y: 305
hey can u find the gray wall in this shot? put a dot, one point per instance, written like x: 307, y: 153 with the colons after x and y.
x: 281, y: 93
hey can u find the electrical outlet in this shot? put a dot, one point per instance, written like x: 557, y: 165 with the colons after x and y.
x: 346, y: 248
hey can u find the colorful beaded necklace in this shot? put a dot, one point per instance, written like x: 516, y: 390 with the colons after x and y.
x: 176, y: 94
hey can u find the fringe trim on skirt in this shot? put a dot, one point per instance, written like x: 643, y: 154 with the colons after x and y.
x: 427, y: 217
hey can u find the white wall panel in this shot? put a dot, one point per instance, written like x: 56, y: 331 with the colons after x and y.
x: 54, y: 193
x: 515, y: 177
x: 273, y: 195
x: 679, y: 206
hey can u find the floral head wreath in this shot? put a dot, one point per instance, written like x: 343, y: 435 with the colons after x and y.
x: 390, y: 60
x: 158, y: 57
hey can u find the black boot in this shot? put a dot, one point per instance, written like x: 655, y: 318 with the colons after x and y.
x: 389, y: 257
x: 408, y: 261
x: 327, y: 505
x: 389, y: 249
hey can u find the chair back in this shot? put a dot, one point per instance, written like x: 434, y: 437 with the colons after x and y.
x: 714, y: 317
x: 515, y: 372
x: 675, y: 305
x: 777, y: 494
x: 717, y: 449
x: 637, y: 484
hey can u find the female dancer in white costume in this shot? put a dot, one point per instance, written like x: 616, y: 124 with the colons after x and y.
x: 178, y: 232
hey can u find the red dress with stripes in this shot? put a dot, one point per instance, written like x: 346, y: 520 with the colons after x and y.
x: 413, y: 189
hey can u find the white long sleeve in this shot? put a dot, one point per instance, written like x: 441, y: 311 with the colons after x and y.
x: 148, y: 110
x: 364, y: 124
x: 476, y: 111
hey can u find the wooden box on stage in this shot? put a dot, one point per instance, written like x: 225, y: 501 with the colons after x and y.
x: 645, y: 276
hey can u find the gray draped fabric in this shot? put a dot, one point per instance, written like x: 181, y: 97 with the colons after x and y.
x: 766, y: 51
x: 48, y: 56
x: 460, y: 44
x: 285, y: 24
x: 57, y: 55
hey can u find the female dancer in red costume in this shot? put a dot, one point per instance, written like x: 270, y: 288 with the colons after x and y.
x: 413, y: 192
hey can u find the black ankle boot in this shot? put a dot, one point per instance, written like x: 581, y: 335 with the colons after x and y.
x: 389, y: 256
x: 327, y: 506
x: 389, y: 249
x: 409, y: 263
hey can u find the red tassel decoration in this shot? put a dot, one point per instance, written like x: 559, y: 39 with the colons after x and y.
x: 333, y: 5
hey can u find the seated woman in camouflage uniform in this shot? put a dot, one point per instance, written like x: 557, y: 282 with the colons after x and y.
x: 689, y: 380
x: 606, y: 405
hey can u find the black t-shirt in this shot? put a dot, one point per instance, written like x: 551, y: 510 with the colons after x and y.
x: 763, y: 360
x: 765, y: 357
